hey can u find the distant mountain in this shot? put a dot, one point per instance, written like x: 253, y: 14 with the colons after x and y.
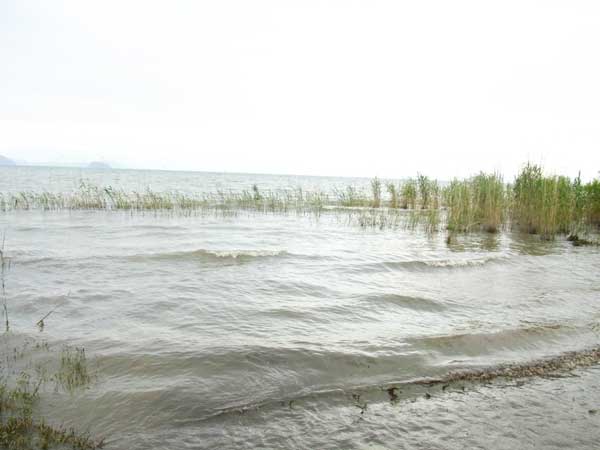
x: 98, y: 165
x: 4, y: 161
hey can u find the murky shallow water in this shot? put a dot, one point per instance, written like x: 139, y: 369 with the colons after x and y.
x: 256, y: 330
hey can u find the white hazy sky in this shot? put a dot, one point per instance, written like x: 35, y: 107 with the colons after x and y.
x: 344, y: 87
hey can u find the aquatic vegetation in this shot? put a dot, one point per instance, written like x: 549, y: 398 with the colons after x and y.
x: 20, y: 428
x: 371, y: 218
x: 408, y: 194
x: 433, y: 220
x: 476, y: 203
x: 73, y: 371
x: 4, y: 267
x: 549, y: 205
x: 592, y: 202
x: 376, y: 190
x: 110, y: 198
x: 534, y: 203
x: 256, y: 194
x: 425, y: 193
x: 394, y: 193
x: 350, y: 197
x: 490, y: 201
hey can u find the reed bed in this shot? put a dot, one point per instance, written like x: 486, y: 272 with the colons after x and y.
x: 376, y: 190
x: 478, y: 203
x: 408, y: 194
x: 551, y: 205
x: 93, y: 197
x: 534, y: 203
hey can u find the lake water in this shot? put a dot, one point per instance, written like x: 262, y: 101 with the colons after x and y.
x: 286, y: 331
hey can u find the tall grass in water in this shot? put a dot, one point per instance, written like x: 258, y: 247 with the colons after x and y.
x: 90, y: 196
x: 394, y: 193
x: 461, y: 213
x: 408, y: 194
x: 376, y: 190
x: 350, y: 197
x: 434, y: 188
x: 476, y: 203
x: 21, y: 428
x: 428, y: 192
x: 564, y: 198
x: 528, y: 198
x: 424, y: 190
x: 592, y: 202
x: 534, y: 203
x: 545, y: 205
x: 490, y: 200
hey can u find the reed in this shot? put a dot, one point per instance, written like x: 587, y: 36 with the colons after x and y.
x: 564, y: 199
x: 381, y: 218
x: 546, y: 205
x: 21, y: 430
x: 458, y: 197
x: 528, y: 198
x: 351, y: 197
x: 394, y: 193
x: 425, y: 194
x: 408, y: 194
x: 4, y: 267
x: 376, y: 191
x: 73, y: 371
x: 592, y: 203
x: 477, y: 203
x: 434, y: 189
x: 490, y: 201
x: 534, y: 203
x: 579, y: 207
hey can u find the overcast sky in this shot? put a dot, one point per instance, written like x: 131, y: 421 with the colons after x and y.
x: 344, y: 87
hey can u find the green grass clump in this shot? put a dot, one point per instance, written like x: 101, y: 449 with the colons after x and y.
x: 459, y: 201
x: 408, y: 194
x: 351, y: 197
x: 73, y: 371
x: 428, y: 192
x: 476, y: 203
x: 544, y: 205
x: 425, y: 193
x: 394, y: 193
x: 21, y: 430
x: 376, y: 191
x: 528, y: 198
x: 490, y: 201
x: 592, y: 202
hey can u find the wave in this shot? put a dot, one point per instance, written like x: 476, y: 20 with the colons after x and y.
x: 484, y: 342
x: 198, y: 254
x: 213, y: 255
x: 405, y: 301
x: 427, y: 264
x: 244, y: 255
x: 394, y: 391
x: 475, y: 262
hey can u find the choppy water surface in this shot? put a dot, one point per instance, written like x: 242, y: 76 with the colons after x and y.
x: 272, y: 330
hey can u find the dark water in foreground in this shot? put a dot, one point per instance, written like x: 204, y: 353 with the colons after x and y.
x: 259, y: 331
